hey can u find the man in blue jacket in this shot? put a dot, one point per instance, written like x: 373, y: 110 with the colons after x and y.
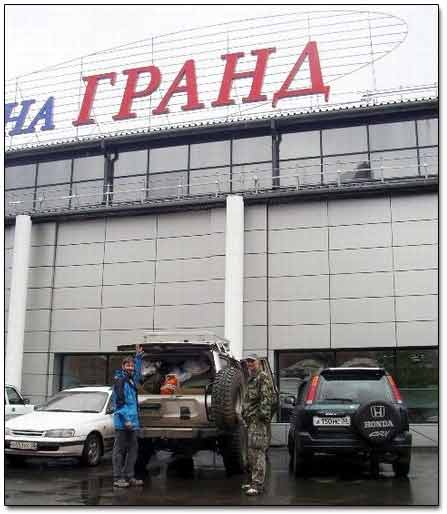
x: 126, y: 420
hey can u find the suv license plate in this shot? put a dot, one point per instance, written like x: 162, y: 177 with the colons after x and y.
x: 332, y: 422
x: 23, y: 445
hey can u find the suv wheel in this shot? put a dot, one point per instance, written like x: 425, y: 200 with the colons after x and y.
x: 401, y: 467
x: 233, y: 447
x: 226, y: 398
x: 145, y: 452
x: 299, y: 460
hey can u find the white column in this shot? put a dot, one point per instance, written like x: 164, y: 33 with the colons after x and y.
x: 17, y: 302
x: 234, y: 273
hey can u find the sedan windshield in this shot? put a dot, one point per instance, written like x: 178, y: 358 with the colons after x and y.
x: 76, y: 401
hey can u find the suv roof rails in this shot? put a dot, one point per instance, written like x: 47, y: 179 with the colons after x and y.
x: 183, y: 336
x: 86, y: 385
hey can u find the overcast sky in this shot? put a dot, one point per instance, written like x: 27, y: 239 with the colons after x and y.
x: 39, y: 36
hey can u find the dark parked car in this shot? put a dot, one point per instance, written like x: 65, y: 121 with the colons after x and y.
x: 347, y: 411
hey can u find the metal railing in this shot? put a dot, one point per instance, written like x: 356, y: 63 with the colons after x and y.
x: 289, y: 177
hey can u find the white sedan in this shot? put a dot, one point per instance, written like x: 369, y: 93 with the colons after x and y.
x: 75, y: 422
x: 15, y: 404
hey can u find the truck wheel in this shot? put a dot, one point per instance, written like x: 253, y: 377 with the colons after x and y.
x: 401, y: 467
x: 145, y: 452
x: 92, y: 451
x: 233, y: 447
x: 226, y: 398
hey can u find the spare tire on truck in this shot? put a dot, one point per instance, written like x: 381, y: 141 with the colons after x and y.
x: 377, y: 422
x: 226, y: 398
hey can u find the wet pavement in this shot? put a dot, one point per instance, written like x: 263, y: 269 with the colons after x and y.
x: 330, y: 482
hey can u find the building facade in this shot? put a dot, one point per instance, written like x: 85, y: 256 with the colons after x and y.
x: 340, y: 249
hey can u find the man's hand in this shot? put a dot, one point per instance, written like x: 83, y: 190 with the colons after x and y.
x: 128, y: 425
x: 139, y: 348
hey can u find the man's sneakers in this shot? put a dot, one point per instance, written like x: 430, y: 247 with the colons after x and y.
x: 136, y: 481
x: 121, y: 483
x: 252, y: 491
x: 127, y: 483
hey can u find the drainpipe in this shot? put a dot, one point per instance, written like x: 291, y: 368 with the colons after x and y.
x: 234, y: 274
x: 17, y: 302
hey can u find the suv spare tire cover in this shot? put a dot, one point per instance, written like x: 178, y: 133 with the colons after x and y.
x: 226, y: 397
x: 377, y: 422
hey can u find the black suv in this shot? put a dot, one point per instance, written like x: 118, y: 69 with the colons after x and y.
x: 350, y: 411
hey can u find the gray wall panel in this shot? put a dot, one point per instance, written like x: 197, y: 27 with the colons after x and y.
x: 217, y: 220
x: 417, y: 333
x: 74, y: 341
x: 255, y: 313
x: 76, y: 276
x: 255, y: 338
x: 300, y: 240
x: 298, y: 337
x: 79, y: 254
x: 43, y: 234
x: 191, y: 247
x: 127, y: 318
x: 39, y: 277
x: 355, y: 261
x: 255, y: 241
x: 34, y: 385
x: 37, y: 320
x: 191, y: 223
x: 255, y: 217
x: 363, y: 335
x: 85, y: 231
x: 41, y: 256
x: 38, y: 298
x: 415, y: 257
x: 35, y: 363
x: 110, y: 339
x: 255, y: 289
x: 359, y: 210
x: 36, y: 341
x: 362, y: 310
x: 417, y: 308
x: 8, y: 256
x: 189, y: 270
x: 189, y: 316
x: 129, y: 273
x: 298, y: 313
x: 77, y: 298
x: 412, y: 207
x: 131, y: 227
x: 126, y: 296
x: 179, y: 293
x: 299, y: 288
x: 305, y: 214
x: 296, y: 264
x: 255, y: 265
x: 9, y: 237
x: 79, y: 319
x: 416, y: 282
x: 128, y: 251
x: 415, y: 233
x: 360, y: 236
x: 361, y: 285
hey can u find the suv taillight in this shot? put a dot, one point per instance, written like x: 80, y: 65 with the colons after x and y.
x: 310, y: 397
x: 394, y: 389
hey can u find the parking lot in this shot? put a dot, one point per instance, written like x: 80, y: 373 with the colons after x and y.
x: 203, y: 482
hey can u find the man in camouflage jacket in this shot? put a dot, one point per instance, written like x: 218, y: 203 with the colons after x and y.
x: 256, y: 413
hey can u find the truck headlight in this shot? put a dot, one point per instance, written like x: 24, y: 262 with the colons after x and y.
x: 60, y: 432
x: 8, y: 431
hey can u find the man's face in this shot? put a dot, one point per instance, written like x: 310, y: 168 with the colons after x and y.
x: 129, y: 367
x: 252, y: 365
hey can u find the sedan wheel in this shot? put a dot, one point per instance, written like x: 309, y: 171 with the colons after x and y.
x: 92, y: 450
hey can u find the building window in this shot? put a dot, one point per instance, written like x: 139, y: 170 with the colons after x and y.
x: 55, y: 172
x: 299, y: 144
x: 20, y: 176
x: 168, y: 158
x: 387, y: 136
x: 344, y: 140
x: 252, y: 149
x: 415, y: 371
x: 88, y: 168
x: 394, y: 164
x: 131, y: 163
x: 204, y: 155
x: 428, y: 132
x: 84, y: 369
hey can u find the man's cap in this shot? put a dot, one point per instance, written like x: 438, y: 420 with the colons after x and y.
x: 251, y: 357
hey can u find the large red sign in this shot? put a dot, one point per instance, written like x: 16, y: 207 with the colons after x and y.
x: 144, y: 81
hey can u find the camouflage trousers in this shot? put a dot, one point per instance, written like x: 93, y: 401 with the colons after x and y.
x: 258, y: 442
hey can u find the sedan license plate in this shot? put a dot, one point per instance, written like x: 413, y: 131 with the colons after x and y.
x: 23, y: 445
x: 332, y: 422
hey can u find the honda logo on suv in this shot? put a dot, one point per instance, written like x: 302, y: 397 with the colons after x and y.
x: 378, y: 411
